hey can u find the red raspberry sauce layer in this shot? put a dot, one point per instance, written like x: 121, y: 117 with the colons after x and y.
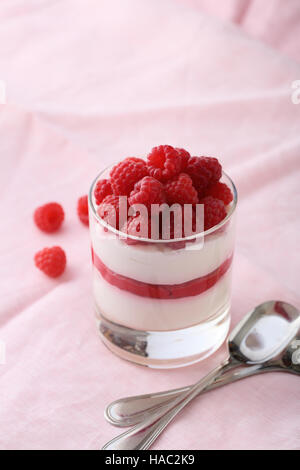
x: 162, y: 291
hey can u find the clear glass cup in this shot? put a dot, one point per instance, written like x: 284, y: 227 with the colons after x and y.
x: 160, y: 305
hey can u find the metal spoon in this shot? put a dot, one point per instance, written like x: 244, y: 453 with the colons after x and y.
x: 132, y: 410
x: 265, y: 340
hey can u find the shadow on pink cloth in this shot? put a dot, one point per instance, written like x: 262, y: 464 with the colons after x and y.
x: 274, y: 22
x: 88, y: 83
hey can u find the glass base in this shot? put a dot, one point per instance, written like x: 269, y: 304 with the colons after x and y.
x: 166, y: 349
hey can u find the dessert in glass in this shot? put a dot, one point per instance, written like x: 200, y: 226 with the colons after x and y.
x: 162, y: 291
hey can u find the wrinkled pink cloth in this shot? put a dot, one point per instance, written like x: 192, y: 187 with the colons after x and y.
x: 89, y: 82
x: 276, y: 22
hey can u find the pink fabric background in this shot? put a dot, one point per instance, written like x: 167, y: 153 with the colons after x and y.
x: 90, y: 82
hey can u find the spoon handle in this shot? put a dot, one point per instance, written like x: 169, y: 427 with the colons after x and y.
x: 130, y: 411
x: 142, y: 436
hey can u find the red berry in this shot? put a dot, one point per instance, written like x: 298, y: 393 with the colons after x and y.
x: 103, y: 188
x: 185, y: 156
x: 176, y: 231
x: 164, y: 162
x: 109, y: 210
x: 220, y: 191
x: 52, y: 261
x: 179, y: 228
x: 137, y: 226
x: 147, y: 191
x: 125, y: 174
x: 49, y: 217
x: 214, y: 211
x: 204, y: 172
x: 181, y: 190
x: 83, y: 210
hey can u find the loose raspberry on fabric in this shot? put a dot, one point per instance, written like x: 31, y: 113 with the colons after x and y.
x: 147, y: 191
x: 214, y: 211
x: 220, y: 191
x: 164, y: 162
x: 125, y: 174
x: 109, y: 210
x: 204, y: 172
x: 49, y: 217
x: 52, y: 261
x: 83, y: 210
x: 103, y: 188
x: 181, y: 190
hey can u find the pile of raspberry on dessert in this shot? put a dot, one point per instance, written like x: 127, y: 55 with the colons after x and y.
x: 169, y: 176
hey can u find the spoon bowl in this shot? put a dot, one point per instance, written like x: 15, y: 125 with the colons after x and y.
x: 130, y: 411
x: 264, y: 333
x: 267, y: 339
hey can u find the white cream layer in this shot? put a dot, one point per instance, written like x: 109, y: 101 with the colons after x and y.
x: 148, y: 314
x: 158, y: 264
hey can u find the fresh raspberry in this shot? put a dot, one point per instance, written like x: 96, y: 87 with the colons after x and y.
x: 147, y: 191
x: 181, y: 190
x: 176, y: 227
x: 214, y: 211
x: 204, y: 172
x: 220, y: 191
x: 83, y: 210
x: 179, y: 228
x: 109, y: 210
x: 52, y: 261
x: 103, y: 188
x: 175, y: 231
x: 125, y: 174
x: 137, y: 226
x: 164, y: 162
x: 49, y: 217
x: 185, y: 156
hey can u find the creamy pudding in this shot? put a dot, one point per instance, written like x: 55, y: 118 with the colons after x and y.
x: 157, y: 304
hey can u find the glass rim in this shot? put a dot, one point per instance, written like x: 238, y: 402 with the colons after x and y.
x: 150, y: 240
